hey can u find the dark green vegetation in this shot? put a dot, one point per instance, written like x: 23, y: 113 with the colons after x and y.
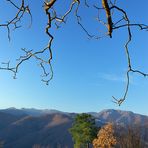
x: 26, y: 128
x: 84, y: 130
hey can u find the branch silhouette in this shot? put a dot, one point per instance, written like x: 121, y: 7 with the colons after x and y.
x: 109, y: 7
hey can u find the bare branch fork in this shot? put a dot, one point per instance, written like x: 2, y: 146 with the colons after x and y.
x: 22, y: 9
x: 112, y: 27
x: 53, y: 18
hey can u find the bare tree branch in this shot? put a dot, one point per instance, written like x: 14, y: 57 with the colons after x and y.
x: 109, y: 7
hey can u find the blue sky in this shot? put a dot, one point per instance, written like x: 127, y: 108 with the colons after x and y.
x: 87, y: 73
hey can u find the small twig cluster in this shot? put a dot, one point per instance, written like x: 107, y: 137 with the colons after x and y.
x: 21, y: 10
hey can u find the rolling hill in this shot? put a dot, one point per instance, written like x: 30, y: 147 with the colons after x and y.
x: 23, y: 128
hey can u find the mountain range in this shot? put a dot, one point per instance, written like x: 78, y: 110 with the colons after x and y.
x: 25, y: 128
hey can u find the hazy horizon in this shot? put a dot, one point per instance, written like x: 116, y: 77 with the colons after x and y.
x: 33, y: 108
x: 87, y: 73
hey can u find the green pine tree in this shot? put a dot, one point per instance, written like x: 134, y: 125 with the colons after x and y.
x: 83, y: 131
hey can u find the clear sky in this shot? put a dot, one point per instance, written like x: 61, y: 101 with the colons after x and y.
x: 87, y: 73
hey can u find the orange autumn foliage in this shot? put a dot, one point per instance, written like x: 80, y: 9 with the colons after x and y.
x: 105, y: 137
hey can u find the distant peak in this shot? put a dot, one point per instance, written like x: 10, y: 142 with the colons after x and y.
x: 12, y: 108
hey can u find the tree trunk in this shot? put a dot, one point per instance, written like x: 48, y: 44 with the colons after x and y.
x: 87, y: 145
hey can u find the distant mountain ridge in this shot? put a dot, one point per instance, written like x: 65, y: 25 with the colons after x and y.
x: 29, y: 111
x: 119, y: 116
x: 22, y: 128
x: 107, y: 115
x: 49, y: 129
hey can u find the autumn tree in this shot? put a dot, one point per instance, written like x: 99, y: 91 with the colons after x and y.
x: 105, y: 137
x: 132, y: 136
x: 109, y: 17
x: 83, y: 131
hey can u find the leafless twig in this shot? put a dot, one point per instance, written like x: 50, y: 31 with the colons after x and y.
x: 108, y: 6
